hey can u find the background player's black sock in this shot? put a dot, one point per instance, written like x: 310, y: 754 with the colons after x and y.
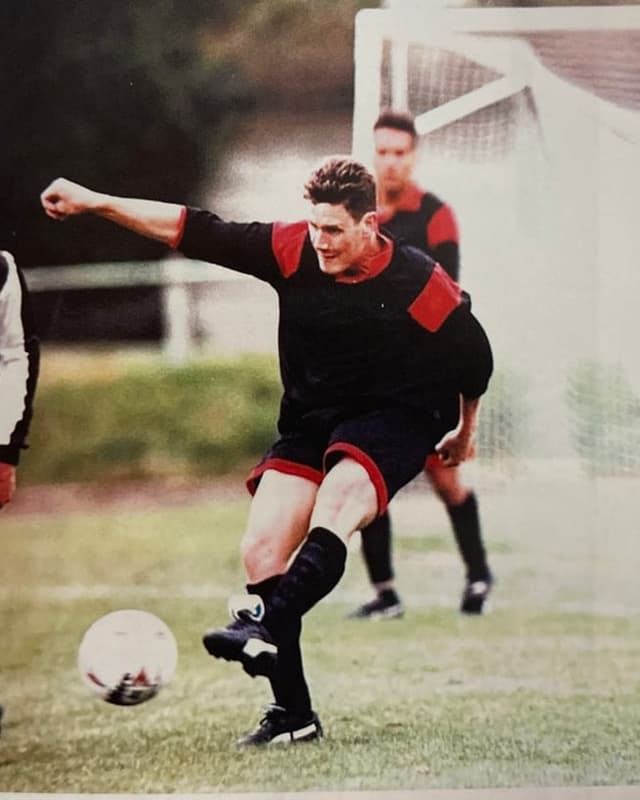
x: 313, y: 573
x: 376, y: 549
x: 288, y: 685
x: 466, y: 527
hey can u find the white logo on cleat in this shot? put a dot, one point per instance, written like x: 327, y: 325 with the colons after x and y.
x: 251, y: 605
x: 254, y: 647
x: 299, y: 734
x: 291, y: 736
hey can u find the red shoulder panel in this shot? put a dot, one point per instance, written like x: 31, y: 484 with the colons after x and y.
x: 287, y: 240
x: 440, y: 296
x: 442, y: 227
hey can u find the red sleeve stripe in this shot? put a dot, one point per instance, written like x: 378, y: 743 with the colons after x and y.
x: 442, y: 227
x: 369, y: 464
x: 436, y: 301
x: 287, y: 241
x: 284, y: 466
x: 173, y: 244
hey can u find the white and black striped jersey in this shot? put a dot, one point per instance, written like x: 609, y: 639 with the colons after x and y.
x: 19, y: 360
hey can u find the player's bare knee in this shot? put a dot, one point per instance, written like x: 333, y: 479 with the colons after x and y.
x: 452, y: 495
x: 446, y: 484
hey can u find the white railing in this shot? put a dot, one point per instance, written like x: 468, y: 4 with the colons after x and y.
x: 170, y: 272
x: 173, y: 276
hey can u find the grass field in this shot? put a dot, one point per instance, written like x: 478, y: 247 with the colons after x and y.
x: 542, y: 691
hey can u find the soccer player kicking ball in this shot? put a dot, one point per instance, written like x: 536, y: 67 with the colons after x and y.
x: 424, y: 221
x: 382, y: 363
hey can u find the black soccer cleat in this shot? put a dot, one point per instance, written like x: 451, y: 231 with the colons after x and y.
x: 1, y: 716
x: 279, y: 726
x: 246, y: 641
x: 387, y: 605
x: 475, y: 594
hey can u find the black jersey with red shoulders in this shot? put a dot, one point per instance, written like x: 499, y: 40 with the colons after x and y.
x: 423, y: 220
x: 395, y: 331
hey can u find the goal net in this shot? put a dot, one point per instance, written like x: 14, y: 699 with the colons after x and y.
x: 529, y: 126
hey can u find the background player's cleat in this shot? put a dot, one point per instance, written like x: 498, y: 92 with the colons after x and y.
x: 245, y: 641
x: 1, y: 715
x: 278, y: 726
x: 387, y: 605
x: 475, y: 595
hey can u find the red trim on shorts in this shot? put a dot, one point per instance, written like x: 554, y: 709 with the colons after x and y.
x: 287, y: 241
x: 442, y: 227
x: 173, y: 244
x: 371, y: 467
x: 440, y: 296
x: 285, y: 467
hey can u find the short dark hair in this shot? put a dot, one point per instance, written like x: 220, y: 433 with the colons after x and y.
x: 342, y: 181
x: 397, y: 120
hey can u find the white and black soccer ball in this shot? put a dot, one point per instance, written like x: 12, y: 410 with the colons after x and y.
x: 127, y: 656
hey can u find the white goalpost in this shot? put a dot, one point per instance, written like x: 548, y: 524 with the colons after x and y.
x: 529, y: 124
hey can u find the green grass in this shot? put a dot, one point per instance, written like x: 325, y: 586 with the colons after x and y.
x: 543, y: 691
x: 137, y: 418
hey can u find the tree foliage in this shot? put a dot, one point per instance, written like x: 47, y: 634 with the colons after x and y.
x: 116, y: 95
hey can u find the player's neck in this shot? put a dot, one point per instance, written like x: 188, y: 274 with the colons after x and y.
x: 389, y: 200
x: 375, y: 244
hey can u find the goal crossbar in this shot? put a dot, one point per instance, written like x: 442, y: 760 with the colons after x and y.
x: 468, y: 103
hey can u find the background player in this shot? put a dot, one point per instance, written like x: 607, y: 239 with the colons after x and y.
x: 19, y: 362
x: 348, y: 410
x: 424, y: 221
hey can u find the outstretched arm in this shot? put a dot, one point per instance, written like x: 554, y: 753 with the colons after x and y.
x: 150, y: 218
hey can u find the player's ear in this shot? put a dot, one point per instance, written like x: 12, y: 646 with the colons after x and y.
x: 370, y: 221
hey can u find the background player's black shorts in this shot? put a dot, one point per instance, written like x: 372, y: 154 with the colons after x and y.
x: 392, y: 444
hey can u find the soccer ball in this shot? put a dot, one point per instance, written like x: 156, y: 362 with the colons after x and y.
x: 127, y: 656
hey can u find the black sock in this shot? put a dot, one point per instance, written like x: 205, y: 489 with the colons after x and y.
x: 466, y: 527
x: 314, y: 572
x: 376, y: 549
x: 264, y: 588
x: 288, y: 685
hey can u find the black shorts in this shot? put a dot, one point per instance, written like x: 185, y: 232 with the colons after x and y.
x: 392, y: 444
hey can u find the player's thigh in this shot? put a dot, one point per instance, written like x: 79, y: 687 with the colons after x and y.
x: 278, y: 522
x: 347, y: 499
x: 391, y: 445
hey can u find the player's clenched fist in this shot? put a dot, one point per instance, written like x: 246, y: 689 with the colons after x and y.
x: 454, y: 448
x: 7, y: 483
x: 64, y: 198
